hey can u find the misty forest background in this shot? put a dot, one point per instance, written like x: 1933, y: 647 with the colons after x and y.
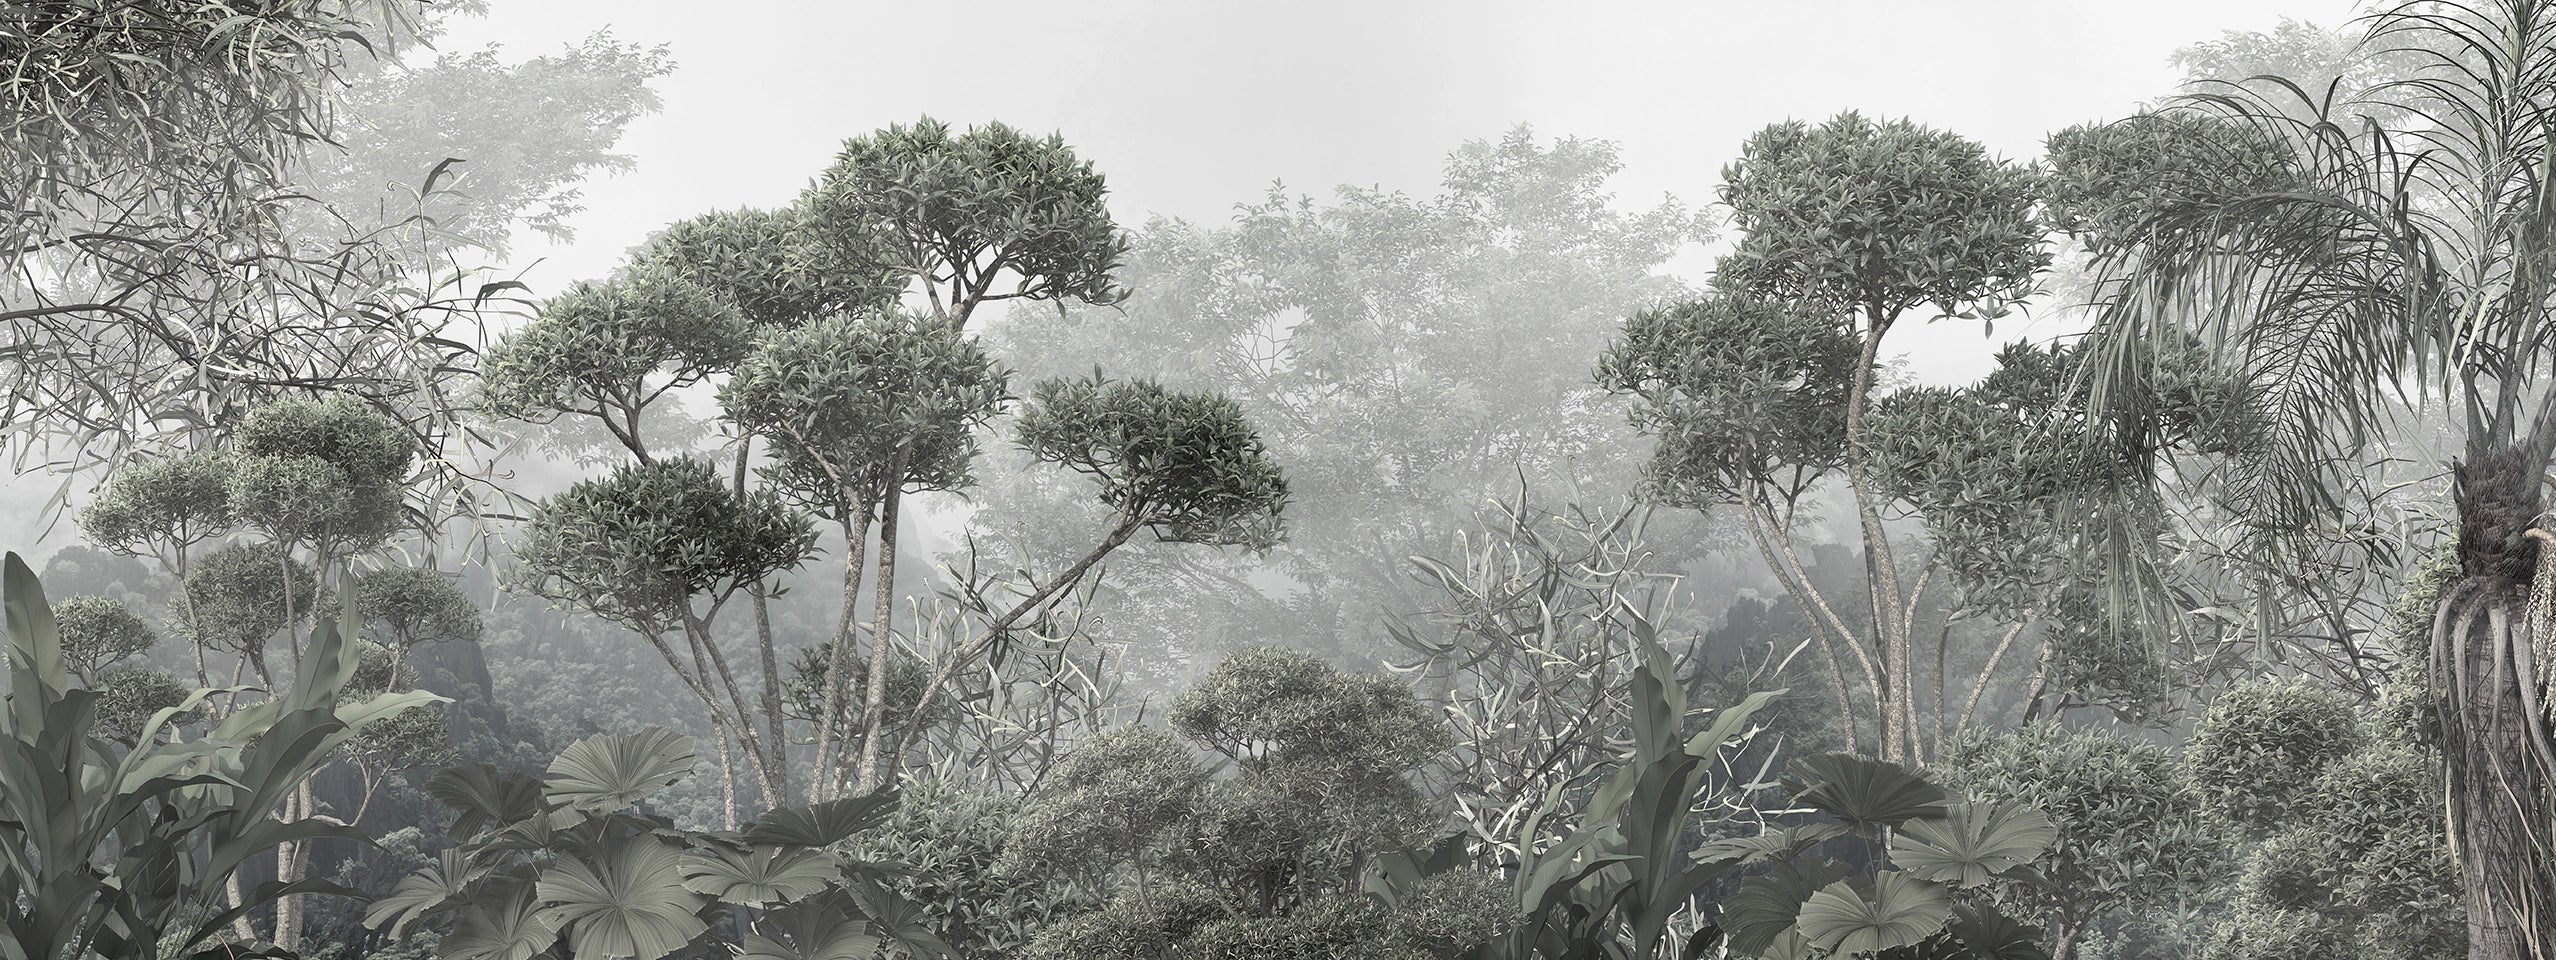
x: 951, y: 563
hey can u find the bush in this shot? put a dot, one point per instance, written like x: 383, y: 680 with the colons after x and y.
x: 951, y: 839
x: 2130, y: 834
x: 2261, y: 747
x: 2264, y: 933
x: 1132, y: 926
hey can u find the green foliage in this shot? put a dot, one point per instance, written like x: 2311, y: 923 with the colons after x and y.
x: 414, y: 605
x: 947, y: 842
x: 965, y: 208
x: 842, y: 398
x: 162, y: 504
x: 1739, y: 393
x: 637, y: 546
x: 2119, y: 185
x: 2131, y: 834
x: 1187, y: 465
x: 128, y: 697
x: 241, y: 594
x: 1134, y: 925
x: 2260, y: 933
x: 768, y: 263
x: 597, y: 348
x: 1123, y: 797
x: 325, y: 472
x: 128, y: 850
x: 803, y: 690
x: 2260, y: 748
x: 1851, y: 214
x: 573, y: 861
x: 98, y: 633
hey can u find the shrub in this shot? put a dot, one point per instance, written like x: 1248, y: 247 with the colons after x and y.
x: 949, y: 840
x: 2261, y: 747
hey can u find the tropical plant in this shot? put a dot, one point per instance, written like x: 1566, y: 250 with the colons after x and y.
x: 573, y: 861
x: 2404, y: 257
x: 125, y: 851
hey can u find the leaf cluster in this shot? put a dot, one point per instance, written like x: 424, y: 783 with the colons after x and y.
x: 638, y: 545
x: 1187, y: 465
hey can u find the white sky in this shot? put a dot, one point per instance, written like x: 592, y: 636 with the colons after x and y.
x: 1190, y: 106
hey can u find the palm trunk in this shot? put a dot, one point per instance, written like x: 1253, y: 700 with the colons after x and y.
x: 2500, y: 778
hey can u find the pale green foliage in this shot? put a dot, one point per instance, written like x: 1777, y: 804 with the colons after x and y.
x: 98, y: 633
x: 803, y: 693
x: 1851, y: 214
x: 952, y: 839
x: 842, y: 397
x: 1132, y: 926
x: 609, y: 349
x: 1187, y: 465
x: 2261, y: 746
x: 958, y: 211
x: 2131, y: 834
x: 323, y: 472
x: 2132, y: 182
x: 1123, y: 797
x: 635, y: 547
x: 162, y: 504
x: 2262, y: 933
x: 414, y: 605
x: 1739, y: 394
x: 241, y: 594
x: 768, y: 263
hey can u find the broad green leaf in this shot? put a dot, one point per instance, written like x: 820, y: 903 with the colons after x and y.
x: 513, y: 928
x: 1900, y: 910
x: 759, y: 877
x: 481, y: 795
x: 823, y: 824
x: 1972, y: 843
x: 606, y: 773
x: 1768, y: 904
x: 829, y: 927
x: 1865, y: 792
x: 629, y: 902
x: 423, y: 892
x: 1989, y: 935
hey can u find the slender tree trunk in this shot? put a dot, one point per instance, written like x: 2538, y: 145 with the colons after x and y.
x: 882, y: 612
x: 777, y: 743
x: 822, y: 784
x: 1882, y: 574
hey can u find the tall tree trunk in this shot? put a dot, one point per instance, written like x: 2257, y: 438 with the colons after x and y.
x: 883, y: 610
x: 2500, y: 773
x: 1881, y: 574
x: 822, y: 784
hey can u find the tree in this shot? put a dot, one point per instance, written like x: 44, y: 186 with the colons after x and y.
x: 1409, y: 357
x: 164, y: 508
x: 1846, y: 227
x: 2400, y: 259
x: 658, y: 547
x: 98, y: 633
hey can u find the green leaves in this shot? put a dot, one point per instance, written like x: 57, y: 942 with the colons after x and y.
x: 1854, y: 917
x: 1738, y: 391
x: 759, y: 877
x: 604, y: 773
x: 844, y: 397
x: 1187, y: 465
x: 637, y: 546
x: 1972, y: 842
x: 1864, y: 792
x: 629, y: 902
x: 1860, y: 216
x: 824, y: 824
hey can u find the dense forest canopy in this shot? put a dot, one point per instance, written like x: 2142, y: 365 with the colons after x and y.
x: 942, y: 560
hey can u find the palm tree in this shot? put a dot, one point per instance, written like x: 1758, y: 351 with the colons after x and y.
x: 2355, y: 253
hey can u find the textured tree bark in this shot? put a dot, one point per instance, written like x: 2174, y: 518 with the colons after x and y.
x: 2498, y: 779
